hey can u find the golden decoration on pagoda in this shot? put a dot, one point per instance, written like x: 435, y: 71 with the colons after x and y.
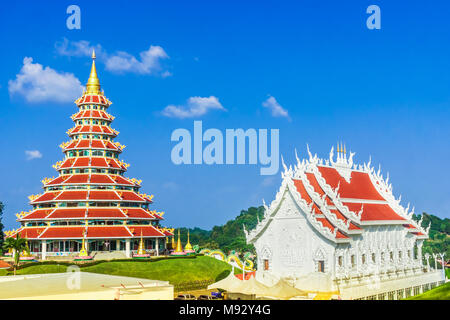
x: 47, y: 180
x: 64, y: 145
x: 9, y: 233
x: 93, y: 84
x: 120, y: 146
x: 34, y: 197
x: 123, y: 164
x: 22, y: 214
x: 57, y: 165
x: 135, y: 181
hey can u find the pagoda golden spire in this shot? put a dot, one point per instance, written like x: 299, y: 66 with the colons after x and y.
x: 179, y: 247
x: 188, y: 246
x: 93, y: 84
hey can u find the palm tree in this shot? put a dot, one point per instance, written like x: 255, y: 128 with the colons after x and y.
x: 17, y: 244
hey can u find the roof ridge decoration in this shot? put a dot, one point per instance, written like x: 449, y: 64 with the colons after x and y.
x: 342, y: 165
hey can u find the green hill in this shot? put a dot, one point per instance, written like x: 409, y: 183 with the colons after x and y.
x: 229, y: 236
x: 439, y: 235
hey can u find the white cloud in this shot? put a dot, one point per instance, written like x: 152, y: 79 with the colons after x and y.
x: 80, y: 48
x: 276, y: 109
x: 195, y: 107
x: 33, y: 154
x: 38, y: 84
x: 149, y: 61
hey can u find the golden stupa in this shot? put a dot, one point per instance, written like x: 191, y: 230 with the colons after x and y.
x: 179, y: 249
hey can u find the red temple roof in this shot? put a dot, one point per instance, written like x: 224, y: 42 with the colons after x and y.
x: 360, y: 186
x: 374, y: 212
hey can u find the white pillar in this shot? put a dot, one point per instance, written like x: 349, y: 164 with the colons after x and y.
x: 127, y: 248
x: 157, y: 246
x: 419, y: 251
x: 44, y: 250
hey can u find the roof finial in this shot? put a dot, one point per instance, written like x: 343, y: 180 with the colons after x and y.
x: 93, y: 84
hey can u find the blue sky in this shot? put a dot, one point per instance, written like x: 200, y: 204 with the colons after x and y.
x: 384, y: 92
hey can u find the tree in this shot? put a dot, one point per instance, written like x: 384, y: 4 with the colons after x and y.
x: 1, y: 228
x: 18, y: 245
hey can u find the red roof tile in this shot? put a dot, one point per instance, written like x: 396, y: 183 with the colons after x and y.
x: 63, y: 232
x: 107, y: 232
x: 360, y: 186
x: 147, y: 231
x: 374, y: 212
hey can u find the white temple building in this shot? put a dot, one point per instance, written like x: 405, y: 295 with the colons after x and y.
x: 335, y: 226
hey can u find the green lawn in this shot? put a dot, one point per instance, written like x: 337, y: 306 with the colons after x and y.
x: 439, y: 293
x: 173, y: 270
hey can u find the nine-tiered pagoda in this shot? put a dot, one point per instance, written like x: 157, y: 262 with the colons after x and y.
x: 91, y: 199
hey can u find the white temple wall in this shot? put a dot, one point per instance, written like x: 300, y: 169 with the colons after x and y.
x: 291, y: 246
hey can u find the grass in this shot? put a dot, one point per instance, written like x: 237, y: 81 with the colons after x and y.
x: 439, y: 293
x: 175, y: 271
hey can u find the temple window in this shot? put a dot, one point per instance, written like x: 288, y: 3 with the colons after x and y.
x: 321, y: 266
x: 391, y: 255
x: 399, y: 255
x: 374, y: 260
x: 266, y: 264
x: 409, y: 253
x: 363, y: 259
x: 340, y: 261
x: 352, y: 260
